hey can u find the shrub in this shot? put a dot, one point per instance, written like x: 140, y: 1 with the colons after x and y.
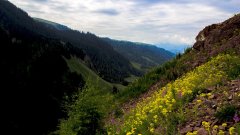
x: 226, y: 113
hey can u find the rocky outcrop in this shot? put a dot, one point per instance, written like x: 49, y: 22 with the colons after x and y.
x: 220, y: 37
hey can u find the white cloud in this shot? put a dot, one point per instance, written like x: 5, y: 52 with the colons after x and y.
x: 134, y: 20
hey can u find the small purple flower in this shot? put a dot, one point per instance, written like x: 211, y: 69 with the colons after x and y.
x: 113, y: 121
x: 236, y: 118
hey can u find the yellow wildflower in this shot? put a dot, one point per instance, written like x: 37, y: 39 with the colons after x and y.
x: 189, y: 133
x: 202, y: 95
x: 195, y: 132
x: 199, y: 101
x: 151, y: 130
x: 192, y: 133
x: 221, y: 132
x: 129, y: 133
x: 224, y: 124
x: 231, y: 130
x: 215, y: 127
x: 225, y: 93
x: 133, y: 130
x: 206, y: 124
x: 164, y: 111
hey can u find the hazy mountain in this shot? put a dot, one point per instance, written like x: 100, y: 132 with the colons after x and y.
x: 173, y: 47
x: 142, y: 56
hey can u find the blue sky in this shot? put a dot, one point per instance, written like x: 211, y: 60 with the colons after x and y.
x: 174, y: 22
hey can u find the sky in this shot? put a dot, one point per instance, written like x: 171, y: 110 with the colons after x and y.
x: 171, y: 22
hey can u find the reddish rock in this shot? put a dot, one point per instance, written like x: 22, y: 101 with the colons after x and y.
x: 185, y: 130
x: 196, y: 128
x: 230, y: 97
x: 214, y: 132
x: 221, y: 128
x: 202, y: 131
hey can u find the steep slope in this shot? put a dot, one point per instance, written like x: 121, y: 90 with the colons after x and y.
x: 163, y: 107
x: 142, y: 56
x: 216, y: 56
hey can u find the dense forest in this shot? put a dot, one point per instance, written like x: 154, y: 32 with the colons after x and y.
x: 34, y: 76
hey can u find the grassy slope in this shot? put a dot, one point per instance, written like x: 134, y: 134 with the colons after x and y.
x: 132, y: 78
x: 78, y: 66
x: 161, y: 106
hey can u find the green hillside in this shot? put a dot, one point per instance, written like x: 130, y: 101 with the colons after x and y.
x: 77, y: 65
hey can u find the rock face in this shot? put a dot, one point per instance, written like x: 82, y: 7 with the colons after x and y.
x: 217, y: 37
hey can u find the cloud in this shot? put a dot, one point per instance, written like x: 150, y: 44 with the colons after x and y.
x: 40, y: 0
x: 111, y: 12
x: 150, y: 21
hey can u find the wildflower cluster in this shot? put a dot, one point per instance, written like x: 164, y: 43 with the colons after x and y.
x: 215, y: 129
x: 152, y: 112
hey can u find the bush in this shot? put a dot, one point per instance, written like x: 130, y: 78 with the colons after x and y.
x: 118, y: 112
x: 84, y: 114
x: 226, y: 113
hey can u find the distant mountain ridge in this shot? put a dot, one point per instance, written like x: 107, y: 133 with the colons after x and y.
x: 142, y: 56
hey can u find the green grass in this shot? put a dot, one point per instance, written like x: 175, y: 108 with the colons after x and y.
x: 136, y: 65
x: 77, y: 65
x: 148, y: 59
x: 140, y: 67
x: 131, y: 78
